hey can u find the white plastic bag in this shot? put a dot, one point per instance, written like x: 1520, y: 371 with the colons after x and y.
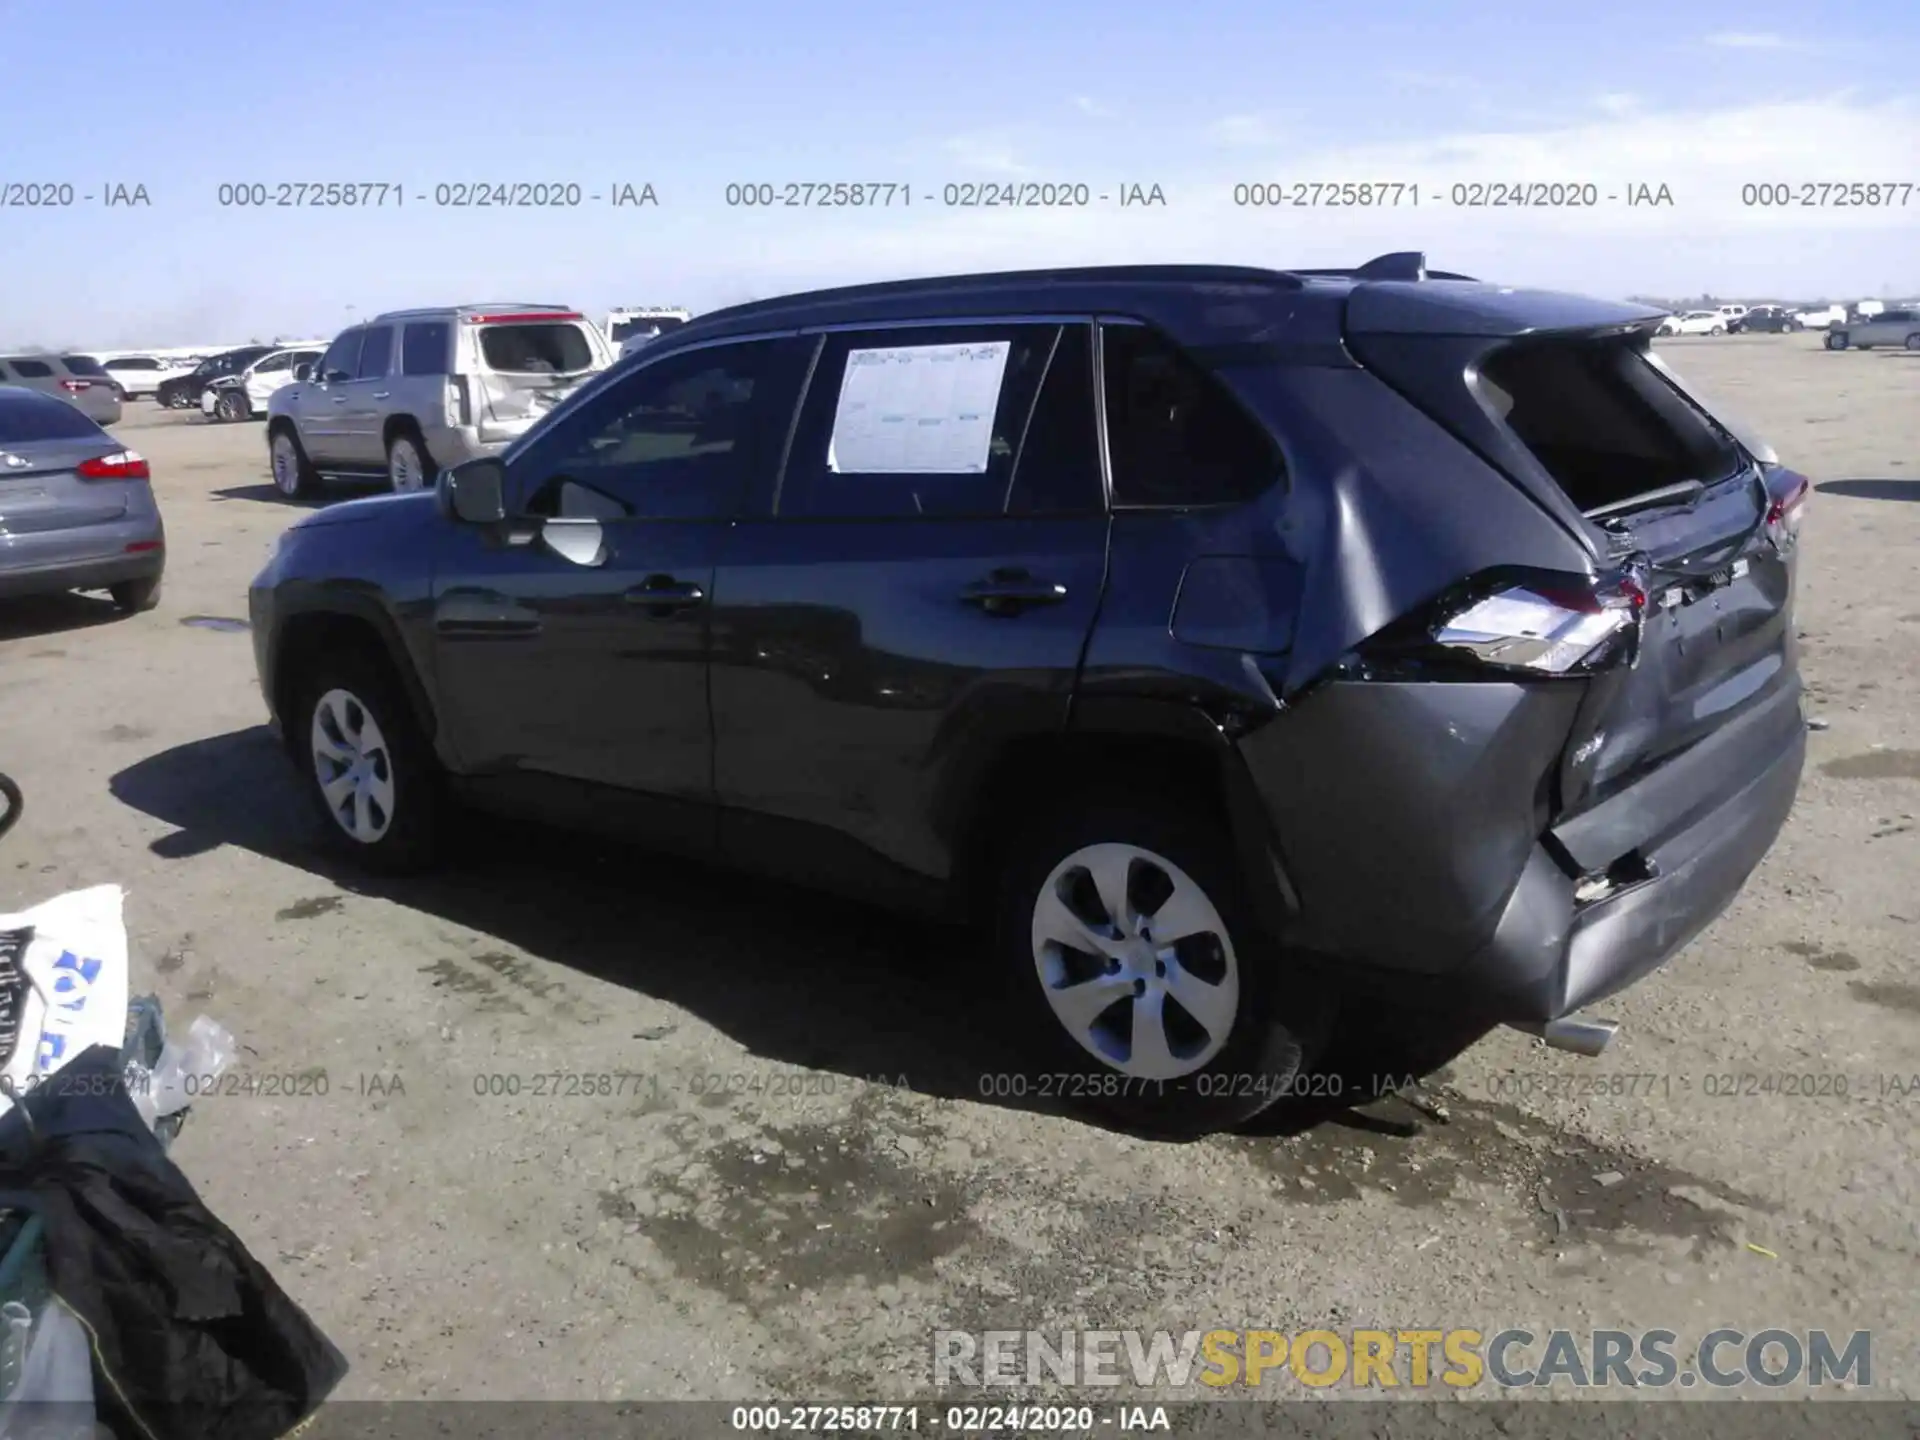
x: 76, y: 972
x: 185, y: 1069
x: 54, y: 1397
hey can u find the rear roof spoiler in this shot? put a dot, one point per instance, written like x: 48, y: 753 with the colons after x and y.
x: 1399, y: 265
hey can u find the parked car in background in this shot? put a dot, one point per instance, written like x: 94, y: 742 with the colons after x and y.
x: 1888, y: 327
x: 1731, y: 313
x: 77, y: 379
x: 633, y: 326
x: 1766, y: 320
x: 78, y: 506
x: 1694, y: 322
x: 1820, y: 319
x: 244, y: 394
x: 1011, y: 596
x: 141, y: 376
x: 413, y: 390
x: 183, y: 391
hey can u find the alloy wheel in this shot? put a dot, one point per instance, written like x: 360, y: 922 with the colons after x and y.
x: 353, y: 766
x: 286, y: 464
x: 405, y: 469
x: 1135, y: 961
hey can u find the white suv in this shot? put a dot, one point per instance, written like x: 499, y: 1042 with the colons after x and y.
x: 244, y: 395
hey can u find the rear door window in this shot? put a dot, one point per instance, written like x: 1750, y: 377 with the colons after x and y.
x: 1175, y: 437
x: 557, y: 348
x: 423, y: 348
x: 32, y: 369
x: 918, y: 423
x: 273, y: 364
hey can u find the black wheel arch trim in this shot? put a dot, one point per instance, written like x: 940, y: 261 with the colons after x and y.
x: 1263, y: 867
x: 298, y: 602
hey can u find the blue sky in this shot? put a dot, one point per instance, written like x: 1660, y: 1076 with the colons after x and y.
x: 1194, y: 97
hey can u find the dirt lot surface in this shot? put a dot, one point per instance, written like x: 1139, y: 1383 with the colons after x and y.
x: 806, y: 1180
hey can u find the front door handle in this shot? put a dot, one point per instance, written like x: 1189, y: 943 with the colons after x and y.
x: 1009, y: 592
x: 381, y: 394
x: 663, y: 595
x: 339, y: 399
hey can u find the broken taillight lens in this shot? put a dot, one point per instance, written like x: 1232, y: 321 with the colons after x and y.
x: 1787, y: 502
x: 1512, y: 625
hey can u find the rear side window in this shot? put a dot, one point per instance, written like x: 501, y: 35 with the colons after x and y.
x: 1602, y: 421
x: 375, y: 352
x: 82, y: 365
x: 30, y: 416
x: 31, y: 369
x: 915, y: 423
x: 423, y: 348
x: 555, y: 349
x: 133, y: 364
x: 1174, y: 435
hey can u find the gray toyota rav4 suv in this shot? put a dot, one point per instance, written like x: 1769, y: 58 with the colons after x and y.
x: 1227, y: 642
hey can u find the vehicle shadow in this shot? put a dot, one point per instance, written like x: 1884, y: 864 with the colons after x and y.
x: 34, y: 615
x: 794, y: 977
x: 264, y: 494
x: 1871, y: 489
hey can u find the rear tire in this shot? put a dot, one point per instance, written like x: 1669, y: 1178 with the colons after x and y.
x: 1201, y: 1034
x: 1913, y: 342
x: 135, y: 596
x: 409, y: 467
x: 293, y: 474
x: 1836, y: 342
x: 369, y: 772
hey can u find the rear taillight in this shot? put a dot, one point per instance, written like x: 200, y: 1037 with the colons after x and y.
x: 1511, y: 625
x: 121, y: 465
x: 1786, y: 504
x: 74, y: 387
x: 459, y: 401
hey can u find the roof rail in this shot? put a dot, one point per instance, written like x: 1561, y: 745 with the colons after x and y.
x: 1399, y: 265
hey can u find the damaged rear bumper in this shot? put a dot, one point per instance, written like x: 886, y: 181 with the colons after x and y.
x: 1412, y: 829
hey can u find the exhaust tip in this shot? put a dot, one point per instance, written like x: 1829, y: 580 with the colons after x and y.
x: 1578, y: 1036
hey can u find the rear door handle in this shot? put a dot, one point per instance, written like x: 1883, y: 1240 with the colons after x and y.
x: 661, y: 595
x: 1008, y: 592
x: 339, y: 399
x: 381, y: 394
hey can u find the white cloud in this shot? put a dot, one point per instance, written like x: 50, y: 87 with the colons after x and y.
x: 1245, y: 130
x: 1618, y: 102
x: 985, y: 152
x: 1087, y: 105
x: 1750, y: 40
x: 1707, y: 238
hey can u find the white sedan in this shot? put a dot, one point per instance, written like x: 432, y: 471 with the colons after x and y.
x: 1695, y: 322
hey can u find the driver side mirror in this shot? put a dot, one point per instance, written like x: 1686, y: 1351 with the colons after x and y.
x: 303, y: 371
x: 475, y: 493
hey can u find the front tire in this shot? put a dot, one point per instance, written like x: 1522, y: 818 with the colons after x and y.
x: 232, y: 405
x: 293, y: 474
x: 1913, y: 342
x: 1836, y: 342
x: 132, y: 597
x: 1136, y: 970
x: 369, y: 772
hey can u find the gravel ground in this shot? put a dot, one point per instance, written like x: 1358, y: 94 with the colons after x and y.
x: 803, y: 1179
